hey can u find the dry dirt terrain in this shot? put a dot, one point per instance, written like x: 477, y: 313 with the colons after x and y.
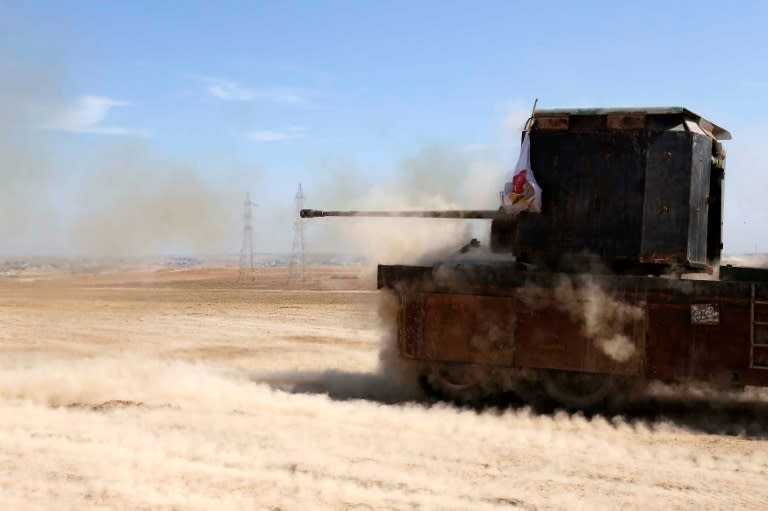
x: 183, y: 390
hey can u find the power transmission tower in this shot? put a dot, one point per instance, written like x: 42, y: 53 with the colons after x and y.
x: 297, y: 272
x: 247, y: 269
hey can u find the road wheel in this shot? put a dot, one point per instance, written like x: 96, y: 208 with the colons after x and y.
x: 460, y: 384
x: 578, y: 390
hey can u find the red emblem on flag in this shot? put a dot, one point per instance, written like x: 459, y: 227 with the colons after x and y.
x: 518, y: 182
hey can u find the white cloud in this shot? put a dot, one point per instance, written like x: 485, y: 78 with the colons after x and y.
x: 230, y: 90
x: 86, y: 116
x: 269, y: 136
x: 275, y: 136
x: 288, y: 133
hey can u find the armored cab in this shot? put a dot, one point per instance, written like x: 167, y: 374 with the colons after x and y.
x: 639, y: 188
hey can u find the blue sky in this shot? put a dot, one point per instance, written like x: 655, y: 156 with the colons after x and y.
x: 264, y: 95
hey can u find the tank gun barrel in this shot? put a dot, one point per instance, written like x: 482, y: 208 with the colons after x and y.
x: 448, y: 213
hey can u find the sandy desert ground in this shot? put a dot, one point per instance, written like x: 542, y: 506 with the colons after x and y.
x: 185, y: 390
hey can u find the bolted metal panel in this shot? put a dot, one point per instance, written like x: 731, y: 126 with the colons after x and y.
x: 651, y: 113
x: 626, y: 121
x: 593, y: 195
x: 666, y: 210
x: 701, y: 162
x: 469, y: 328
x: 628, y: 186
x: 552, y: 122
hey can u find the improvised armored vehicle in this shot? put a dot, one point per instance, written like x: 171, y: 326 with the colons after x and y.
x: 613, y: 284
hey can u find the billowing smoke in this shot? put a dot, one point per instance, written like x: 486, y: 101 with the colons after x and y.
x: 138, y: 202
x: 110, y: 195
x: 112, y: 192
x: 603, y: 317
x: 24, y: 171
x: 434, y: 178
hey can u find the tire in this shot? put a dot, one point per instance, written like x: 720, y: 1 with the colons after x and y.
x: 576, y: 390
x: 590, y: 392
x: 460, y: 384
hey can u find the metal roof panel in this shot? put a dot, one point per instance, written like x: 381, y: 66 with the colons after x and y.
x: 708, y: 127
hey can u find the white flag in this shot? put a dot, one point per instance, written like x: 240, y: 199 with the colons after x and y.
x: 523, y: 192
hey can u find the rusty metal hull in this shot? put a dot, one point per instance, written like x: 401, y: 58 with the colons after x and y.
x: 667, y: 329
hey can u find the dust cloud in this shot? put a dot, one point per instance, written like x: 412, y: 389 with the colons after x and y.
x: 112, y: 195
x: 204, y: 438
x: 159, y: 396
x: 434, y: 178
x: 138, y: 202
x: 604, y: 317
x: 394, y: 380
x: 24, y: 170
x: 132, y: 432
